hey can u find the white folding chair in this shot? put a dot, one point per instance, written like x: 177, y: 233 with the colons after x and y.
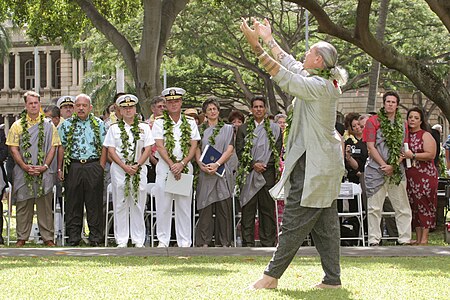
x: 7, y: 213
x: 150, y: 213
x: 194, y: 216
x: 236, y: 217
x: 58, y: 218
x: 348, y: 191
x: 108, y: 213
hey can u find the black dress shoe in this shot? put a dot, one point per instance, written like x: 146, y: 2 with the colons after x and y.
x: 74, y: 243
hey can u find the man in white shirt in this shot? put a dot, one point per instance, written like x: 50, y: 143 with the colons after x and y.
x: 176, y: 137
x: 125, y: 140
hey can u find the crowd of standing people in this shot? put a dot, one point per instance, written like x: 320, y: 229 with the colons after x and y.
x: 300, y: 155
x: 67, y: 143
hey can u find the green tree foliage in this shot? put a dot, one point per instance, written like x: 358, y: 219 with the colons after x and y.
x: 211, y: 56
x: 415, y: 45
x: 68, y: 21
x: 5, y: 42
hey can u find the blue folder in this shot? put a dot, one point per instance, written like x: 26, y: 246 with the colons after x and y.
x: 211, y: 155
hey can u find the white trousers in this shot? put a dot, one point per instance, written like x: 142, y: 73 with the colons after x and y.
x: 400, y: 203
x: 183, y: 210
x: 128, y: 215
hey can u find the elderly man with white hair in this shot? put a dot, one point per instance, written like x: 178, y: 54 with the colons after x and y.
x: 314, y: 162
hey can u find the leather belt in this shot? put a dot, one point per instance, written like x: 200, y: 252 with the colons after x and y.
x: 85, y: 161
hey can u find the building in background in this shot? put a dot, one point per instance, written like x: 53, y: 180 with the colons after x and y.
x: 58, y: 73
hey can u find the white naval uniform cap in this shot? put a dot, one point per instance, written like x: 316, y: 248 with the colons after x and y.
x: 65, y: 100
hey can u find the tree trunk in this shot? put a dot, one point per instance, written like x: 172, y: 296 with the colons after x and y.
x: 374, y: 74
x: 144, y: 67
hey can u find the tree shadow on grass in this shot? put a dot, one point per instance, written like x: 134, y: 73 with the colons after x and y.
x: 316, y: 294
x: 192, y: 270
x: 193, y: 263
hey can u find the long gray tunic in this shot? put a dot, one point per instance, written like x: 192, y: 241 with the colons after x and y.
x: 21, y: 191
x: 312, y: 131
x: 261, y: 152
x: 213, y: 188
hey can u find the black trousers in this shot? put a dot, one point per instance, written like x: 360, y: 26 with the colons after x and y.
x: 84, y: 187
x: 265, y: 205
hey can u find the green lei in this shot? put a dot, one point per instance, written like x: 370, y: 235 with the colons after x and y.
x: 169, y: 142
x: 68, y: 149
x: 393, y: 136
x: 211, y: 141
x: 246, y: 158
x: 288, y: 124
x: 30, y: 179
x: 442, y: 164
x: 324, y: 73
x: 216, y: 130
x: 125, y: 148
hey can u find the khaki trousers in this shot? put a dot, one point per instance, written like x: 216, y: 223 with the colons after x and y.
x: 25, y: 212
x: 399, y: 200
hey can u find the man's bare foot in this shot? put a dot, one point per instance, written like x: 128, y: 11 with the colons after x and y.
x: 327, y: 286
x: 265, y: 282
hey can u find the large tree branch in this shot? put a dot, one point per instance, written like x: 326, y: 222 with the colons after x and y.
x: 442, y: 9
x: 420, y: 75
x: 362, y: 30
x: 111, y: 33
x: 237, y: 75
x: 170, y: 11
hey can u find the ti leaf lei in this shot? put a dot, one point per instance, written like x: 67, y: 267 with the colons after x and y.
x: 324, y: 73
x: 393, y: 135
x: 246, y: 158
x: 126, y: 147
x: 288, y: 124
x: 26, y: 144
x: 216, y: 130
x: 272, y: 144
x: 211, y: 141
x: 169, y: 142
x: 68, y: 149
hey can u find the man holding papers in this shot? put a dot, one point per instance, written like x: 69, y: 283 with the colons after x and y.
x: 215, y: 189
x: 258, y: 144
x: 129, y: 144
x: 176, y: 137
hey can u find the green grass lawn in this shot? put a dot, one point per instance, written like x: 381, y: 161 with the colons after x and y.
x: 217, y: 278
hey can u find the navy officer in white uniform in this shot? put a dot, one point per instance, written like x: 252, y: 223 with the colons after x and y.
x: 129, y: 144
x: 176, y: 137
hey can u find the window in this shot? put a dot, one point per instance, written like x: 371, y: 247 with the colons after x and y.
x: 57, y: 74
x: 29, y: 74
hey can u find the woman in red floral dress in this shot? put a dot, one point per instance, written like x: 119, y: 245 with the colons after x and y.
x: 422, y: 176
